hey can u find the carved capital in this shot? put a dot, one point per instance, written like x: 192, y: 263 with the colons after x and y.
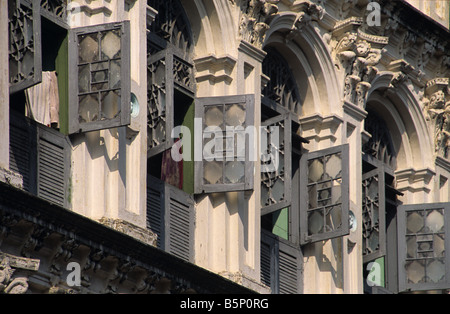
x: 255, y: 19
x: 437, y: 112
x: 357, y: 54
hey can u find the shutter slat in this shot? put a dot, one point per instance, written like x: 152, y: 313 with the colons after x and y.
x: 265, y: 264
x: 288, y: 273
x: 19, y: 150
x: 51, y: 168
x: 155, y: 205
x: 180, y: 234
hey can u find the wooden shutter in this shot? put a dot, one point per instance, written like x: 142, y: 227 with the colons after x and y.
x: 374, y: 214
x: 179, y: 223
x: 268, y: 260
x: 424, y: 247
x: 22, y: 150
x: 222, y: 173
x: 25, y: 63
x: 324, y: 195
x: 53, y: 166
x: 281, y: 265
x: 170, y: 214
x: 42, y: 156
x: 276, y: 183
x: 170, y: 80
x: 155, y: 208
x: 289, y: 261
x: 99, y: 71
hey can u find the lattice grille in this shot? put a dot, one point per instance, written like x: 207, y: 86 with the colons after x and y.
x: 24, y: 45
x: 282, y: 88
x: 56, y: 7
x: 425, y: 246
x: 273, y: 181
x: 325, y: 197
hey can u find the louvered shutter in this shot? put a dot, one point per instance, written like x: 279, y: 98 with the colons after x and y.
x: 281, y: 265
x: 170, y: 214
x: 289, y: 262
x: 155, y: 208
x: 268, y: 260
x: 179, y: 223
x: 266, y: 263
x: 42, y: 156
x: 25, y: 63
x: 53, y: 166
x: 22, y: 150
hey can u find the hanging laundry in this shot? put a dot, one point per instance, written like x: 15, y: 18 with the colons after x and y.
x: 43, y: 100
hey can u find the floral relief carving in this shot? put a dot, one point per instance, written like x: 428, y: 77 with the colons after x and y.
x: 437, y: 112
x: 8, y: 266
x: 255, y: 19
x: 357, y: 54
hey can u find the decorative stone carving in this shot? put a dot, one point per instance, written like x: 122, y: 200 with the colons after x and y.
x: 255, y: 19
x: 307, y: 12
x: 8, y: 266
x: 11, y: 178
x: 357, y: 54
x: 437, y: 112
x: 35, y: 240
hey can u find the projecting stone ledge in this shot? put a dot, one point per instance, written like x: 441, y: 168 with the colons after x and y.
x: 141, y: 234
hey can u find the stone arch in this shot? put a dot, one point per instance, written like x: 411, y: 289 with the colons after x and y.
x: 307, y: 53
x: 401, y: 110
x: 214, y: 33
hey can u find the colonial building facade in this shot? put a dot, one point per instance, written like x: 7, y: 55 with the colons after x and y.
x: 226, y: 146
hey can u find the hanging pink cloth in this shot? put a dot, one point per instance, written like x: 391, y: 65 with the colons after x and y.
x: 171, y: 170
x: 43, y: 100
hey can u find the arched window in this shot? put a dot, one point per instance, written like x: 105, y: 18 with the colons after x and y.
x: 379, y: 197
x: 403, y: 245
x: 170, y: 26
x: 380, y: 144
x: 282, y: 90
x: 304, y: 196
x: 170, y: 103
x: 280, y: 106
x: 314, y: 209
